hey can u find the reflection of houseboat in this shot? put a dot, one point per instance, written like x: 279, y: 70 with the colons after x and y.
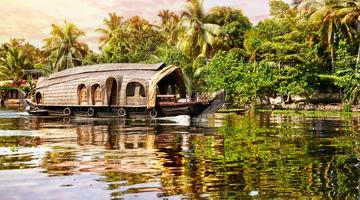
x: 118, y: 90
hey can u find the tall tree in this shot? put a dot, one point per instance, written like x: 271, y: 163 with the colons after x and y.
x: 198, y: 38
x: 233, y: 25
x: 134, y: 41
x: 168, y: 26
x: 278, y: 7
x: 63, y: 48
x: 293, y: 45
x: 114, y: 22
x: 324, y: 13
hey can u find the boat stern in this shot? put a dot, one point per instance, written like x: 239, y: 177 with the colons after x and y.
x: 33, y: 109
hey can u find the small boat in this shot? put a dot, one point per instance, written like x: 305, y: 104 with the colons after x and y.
x: 118, y: 90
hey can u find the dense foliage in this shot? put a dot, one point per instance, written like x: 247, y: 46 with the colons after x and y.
x: 132, y: 41
x: 233, y: 25
x: 306, y: 47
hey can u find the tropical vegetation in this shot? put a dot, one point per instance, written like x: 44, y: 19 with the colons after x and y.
x: 305, y: 47
x: 63, y: 48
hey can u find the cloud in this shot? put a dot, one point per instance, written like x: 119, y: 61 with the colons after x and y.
x: 32, y: 19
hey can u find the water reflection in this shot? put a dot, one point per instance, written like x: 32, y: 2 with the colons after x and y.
x: 264, y: 156
x: 132, y: 157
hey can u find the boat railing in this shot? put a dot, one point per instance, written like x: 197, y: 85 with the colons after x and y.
x: 169, y: 98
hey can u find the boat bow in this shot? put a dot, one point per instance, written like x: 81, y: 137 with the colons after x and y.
x: 216, y: 103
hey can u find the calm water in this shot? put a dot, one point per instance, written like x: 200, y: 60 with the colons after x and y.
x: 266, y: 156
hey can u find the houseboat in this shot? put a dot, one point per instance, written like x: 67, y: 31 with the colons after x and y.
x: 118, y: 90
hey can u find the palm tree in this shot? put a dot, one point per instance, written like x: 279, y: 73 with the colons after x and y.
x: 137, y: 24
x: 350, y: 18
x: 296, y: 3
x: 12, y: 65
x: 112, y: 24
x: 169, y: 24
x: 63, y: 48
x: 198, y: 38
x: 308, y: 7
x: 324, y: 13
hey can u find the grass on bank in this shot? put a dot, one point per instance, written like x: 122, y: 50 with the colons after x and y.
x: 309, y: 113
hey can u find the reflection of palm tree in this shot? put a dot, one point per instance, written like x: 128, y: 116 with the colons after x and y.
x: 112, y: 24
x: 60, y: 161
x: 12, y: 66
x: 64, y: 48
x: 198, y: 37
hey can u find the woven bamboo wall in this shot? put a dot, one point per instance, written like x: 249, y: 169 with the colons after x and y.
x: 140, y: 101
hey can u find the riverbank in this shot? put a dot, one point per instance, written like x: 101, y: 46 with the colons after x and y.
x: 312, y: 107
x: 310, y: 113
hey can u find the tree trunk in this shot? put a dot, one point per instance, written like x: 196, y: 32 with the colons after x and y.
x: 332, y: 51
x: 358, y: 56
x: 358, y: 30
x: 332, y: 55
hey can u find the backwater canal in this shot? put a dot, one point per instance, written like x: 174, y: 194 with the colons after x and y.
x: 260, y: 156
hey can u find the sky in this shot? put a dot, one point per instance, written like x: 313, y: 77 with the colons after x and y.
x: 32, y: 19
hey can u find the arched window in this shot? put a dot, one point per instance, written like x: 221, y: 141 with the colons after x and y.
x: 82, y: 95
x: 135, y: 94
x: 38, y: 98
x: 111, y: 91
x: 135, y: 89
x: 97, y: 95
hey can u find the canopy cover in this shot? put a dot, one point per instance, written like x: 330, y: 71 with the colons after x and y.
x: 151, y: 101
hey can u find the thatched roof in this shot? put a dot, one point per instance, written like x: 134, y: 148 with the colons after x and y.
x: 107, y: 68
x: 127, y: 72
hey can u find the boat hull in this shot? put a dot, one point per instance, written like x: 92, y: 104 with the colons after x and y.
x: 162, y: 109
x: 191, y: 109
